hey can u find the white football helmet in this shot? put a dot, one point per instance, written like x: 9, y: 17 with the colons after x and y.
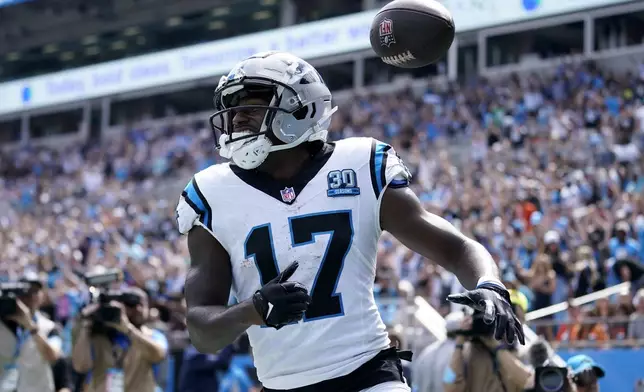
x: 299, y: 110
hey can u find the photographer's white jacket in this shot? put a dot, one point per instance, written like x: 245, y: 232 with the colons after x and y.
x: 35, y: 373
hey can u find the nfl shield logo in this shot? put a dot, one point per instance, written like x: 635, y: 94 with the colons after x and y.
x: 288, y: 195
x: 387, y: 32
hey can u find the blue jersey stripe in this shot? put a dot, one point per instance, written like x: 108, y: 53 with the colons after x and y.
x: 198, y: 202
x: 380, y: 163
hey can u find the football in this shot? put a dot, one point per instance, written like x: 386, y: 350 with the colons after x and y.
x: 412, y: 33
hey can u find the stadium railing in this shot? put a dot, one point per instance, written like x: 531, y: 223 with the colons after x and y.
x: 579, y: 301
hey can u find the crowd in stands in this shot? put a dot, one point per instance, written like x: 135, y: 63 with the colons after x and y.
x: 545, y: 171
x: 553, y: 186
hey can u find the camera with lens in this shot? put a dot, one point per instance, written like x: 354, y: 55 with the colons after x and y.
x: 479, y: 327
x: 551, y: 379
x: 548, y: 375
x: 101, y: 294
x: 9, y: 293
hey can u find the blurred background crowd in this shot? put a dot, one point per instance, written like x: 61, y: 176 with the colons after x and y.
x: 548, y: 184
x: 543, y: 168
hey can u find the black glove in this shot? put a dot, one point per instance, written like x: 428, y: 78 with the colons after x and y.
x: 280, y: 302
x: 494, y: 302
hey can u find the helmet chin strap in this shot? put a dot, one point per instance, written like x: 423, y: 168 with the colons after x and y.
x: 247, y: 153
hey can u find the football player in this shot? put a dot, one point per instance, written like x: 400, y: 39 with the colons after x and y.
x: 291, y: 226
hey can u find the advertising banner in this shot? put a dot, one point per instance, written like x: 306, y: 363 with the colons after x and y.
x: 210, y: 60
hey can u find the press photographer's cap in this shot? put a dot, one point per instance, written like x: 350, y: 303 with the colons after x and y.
x: 582, y: 362
x: 33, y: 278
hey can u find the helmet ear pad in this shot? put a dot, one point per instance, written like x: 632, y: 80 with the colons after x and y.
x: 284, y: 121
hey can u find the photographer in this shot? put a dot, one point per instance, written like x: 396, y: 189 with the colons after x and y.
x: 121, y: 355
x: 481, y: 363
x: 29, y: 341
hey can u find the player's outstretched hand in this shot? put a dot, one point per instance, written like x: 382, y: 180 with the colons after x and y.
x: 281, y: 302
x: 494, y: 302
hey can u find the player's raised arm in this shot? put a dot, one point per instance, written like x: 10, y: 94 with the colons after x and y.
x: 402, y: 214
x: 211, y: 323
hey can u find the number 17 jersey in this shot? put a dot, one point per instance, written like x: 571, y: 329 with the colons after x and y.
x: 328, y: 219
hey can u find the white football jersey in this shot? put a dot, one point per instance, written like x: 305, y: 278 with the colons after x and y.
x: 327, y: 218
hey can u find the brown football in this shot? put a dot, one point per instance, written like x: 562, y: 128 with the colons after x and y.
x: 412, y: 33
